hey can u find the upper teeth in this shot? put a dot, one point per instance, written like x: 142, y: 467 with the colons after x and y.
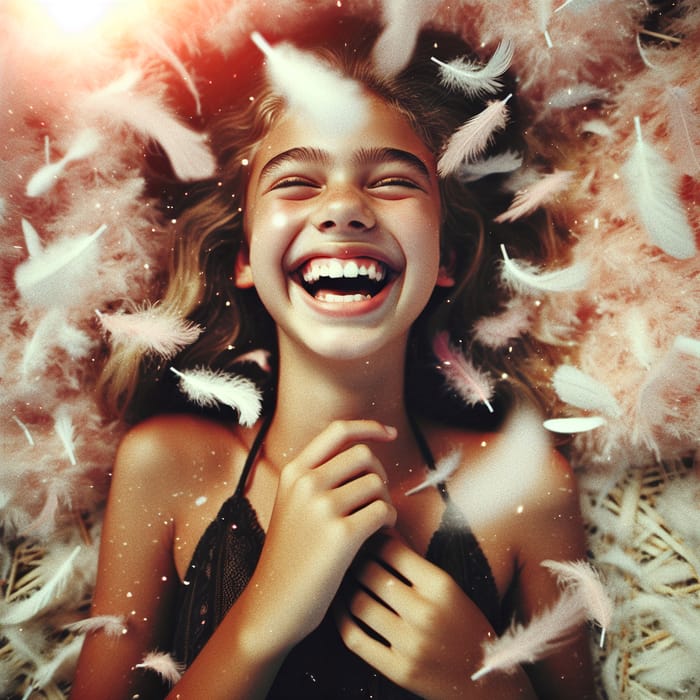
x: 335, y: 269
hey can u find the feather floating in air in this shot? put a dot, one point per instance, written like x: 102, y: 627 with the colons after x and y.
x: 536, y: 195
x: 528, y: 278
x: 63, y: 425
x: 474, y: 79
x: 164, y: 665
x: 650, y: 181
x: 206, y: 387
x: 473, y: 137
x: 442, y: 472
x: 583, y: 391
x: 493, y: 165
x: 578, y: 424
x: 111, y: 625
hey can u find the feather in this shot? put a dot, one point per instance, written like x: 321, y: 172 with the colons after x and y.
x: 45, y: 522
x: 186, y: 149
x: 474, y: 79
x: 85, y: 143
x: 505, y: 162
x: 576, y: 96
x: 471, y: 384
x: 28, y: 608
x: 473, y: 137
x: 60, y: 666
x: 649, y: 179
x: 529, y: 279
x: 206, y: 387
x: 596, y: 601
x: 63, y: 425
x: 306, y: 83
x: 402, y: 21
x: 546, y: 633
x: 25, y: 430
x: 164, y: 665
x: 53, y: 276
x: 498, y: 331
x: 684, y: 129
x: 569, y: 426
x: 541, y: 192
x: 111, y: 625
x: 150, y: 330
x: 582, y: 391
x: 442, y: 472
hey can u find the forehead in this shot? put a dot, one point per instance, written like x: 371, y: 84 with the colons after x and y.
x: 385, y: 127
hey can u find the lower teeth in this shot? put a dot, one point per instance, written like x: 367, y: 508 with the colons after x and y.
x: 342, y: 298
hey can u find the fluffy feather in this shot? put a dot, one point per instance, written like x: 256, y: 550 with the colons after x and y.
x: 111, y: 625
x: 442, y: 472
x: 684, y: 129
x: 60, y: 666
x: 493, y: 165
x: 187, y: 151
x: 150, y: 330
x: 164, y: 665
x: 542, y: 192
x: 583, y: 391
x: 650, y: 182
x: 596, y: 601
x: 474, y: 79
x: 305, y: 83
x: 85, y: 143
x: 206, y: 387
x: 498, y: 331
x: 473, y: 137
x: 529, y: 279
x: 546, y: 633
x: 63, y: 425
x: 471, y: 384
x: 569, y: 426
x: 576, y: 96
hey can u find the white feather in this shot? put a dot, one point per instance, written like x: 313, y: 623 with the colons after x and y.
x: 17, y: 613
x: 63, y: 425
x: 575, y: 96
x: 474, y: 79
x: 330, y: 101
x: 442, y: 472
x: 583, y: 391
x: 499, y: 163
x: 111, y: 625
x: 536, y: 195
x: 206, y: 387
x: 569, y: 426
x: 164, y: 665
x: 25, y: 430
x: 650, y: 181
x: 528, y: 279
x: 546, y: 633
x: 60, y: 666
x: 85, y: 143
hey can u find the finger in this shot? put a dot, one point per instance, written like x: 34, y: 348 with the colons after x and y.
x: 374, y: 618
x: 338, y: 436
x: 396, y: 555
x: 354, y: 462
x: 359, y: 492
x: 395, y: 591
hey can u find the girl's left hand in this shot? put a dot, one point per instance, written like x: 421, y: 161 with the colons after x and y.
x: 433, y: 631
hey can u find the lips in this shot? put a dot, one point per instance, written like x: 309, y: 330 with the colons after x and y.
x: 341, y: 280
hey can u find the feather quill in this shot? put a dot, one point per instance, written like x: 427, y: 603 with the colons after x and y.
x: 505, y: 162
x: 442, y: 472
x: 206, y: 387
x: 528, y: 278
x: 684, y: 129
x: 63, y: 425
x: 569, y: 426
x: 583, y: 391
x: 306, y: 84
x: 85, y: 143
x: 18, y: 612
x: 545, y: 634
x: 541, y: 192
x: 471, y: 384
x: 582, y: 576
x: 472, y: 138
x: 150, y: 330
x: 164, y: 665
x: 186, y: 149
x: 474, y: 79
x: 649, y: 179
x: 111, y: 625
x: 27, y: 433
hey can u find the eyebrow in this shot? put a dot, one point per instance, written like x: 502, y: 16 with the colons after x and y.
x: 365, y: 156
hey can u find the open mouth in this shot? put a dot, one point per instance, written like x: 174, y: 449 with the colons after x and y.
x: 344, y: 281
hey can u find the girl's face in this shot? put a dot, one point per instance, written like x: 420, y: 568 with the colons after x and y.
x: 343, y: 233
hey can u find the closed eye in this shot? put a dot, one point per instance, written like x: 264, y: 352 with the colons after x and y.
x: 396, y: 182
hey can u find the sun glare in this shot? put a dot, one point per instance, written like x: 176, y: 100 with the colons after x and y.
x: 74, y: 16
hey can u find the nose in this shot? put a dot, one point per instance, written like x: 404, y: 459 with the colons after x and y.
x: 343, y: 208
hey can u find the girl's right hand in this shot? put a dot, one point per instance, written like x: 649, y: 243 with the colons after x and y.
x: 330, y: 499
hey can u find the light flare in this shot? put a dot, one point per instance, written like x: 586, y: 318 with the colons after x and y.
x: 76, y: 16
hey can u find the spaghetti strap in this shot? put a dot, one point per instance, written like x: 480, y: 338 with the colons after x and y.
x: 252, y: 456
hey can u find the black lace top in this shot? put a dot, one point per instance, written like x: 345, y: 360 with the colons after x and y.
x: 320, y: 666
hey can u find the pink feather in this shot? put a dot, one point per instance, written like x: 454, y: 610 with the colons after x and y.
x: 684, y: 129
x: 497, y: 331
x: 473, y: 137
x: 471, y: 384
x: 541, y: 192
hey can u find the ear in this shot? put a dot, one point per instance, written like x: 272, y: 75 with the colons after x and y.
x: 242, y: 273
x: 445, y: 273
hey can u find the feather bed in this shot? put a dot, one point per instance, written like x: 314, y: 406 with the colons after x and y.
x: 650, y: 183
x: 471, y: 384
x: 529, y: 279
x: 542, y: 192
x: 305, y: 82
x: 583, y: 391
x: 474, y: 79
x: 472, y: 138
x: 444, y: 469
x: 164, y: 665
x: 206, y: 387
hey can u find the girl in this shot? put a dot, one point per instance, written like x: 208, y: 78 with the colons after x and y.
x: 285, y: 559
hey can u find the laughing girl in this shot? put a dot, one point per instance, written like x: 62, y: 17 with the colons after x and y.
x: 285, y: 559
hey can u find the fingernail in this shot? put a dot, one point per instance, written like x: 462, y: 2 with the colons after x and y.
x: 391, y: 431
